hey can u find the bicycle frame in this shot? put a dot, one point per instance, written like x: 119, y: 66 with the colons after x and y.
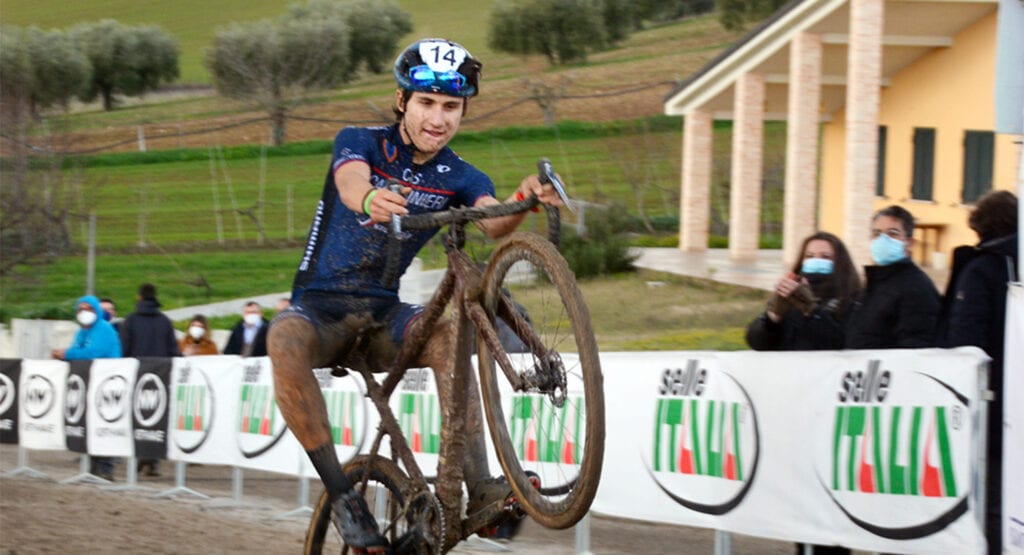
x: 460, y: 288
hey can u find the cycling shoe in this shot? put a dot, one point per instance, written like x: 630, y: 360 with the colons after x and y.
x: 357, y: 524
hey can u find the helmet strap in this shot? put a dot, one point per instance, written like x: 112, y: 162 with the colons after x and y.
x: 412, y: 143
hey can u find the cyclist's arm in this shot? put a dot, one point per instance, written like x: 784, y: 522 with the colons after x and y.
x: 531, y: 185
x: 352, y: 180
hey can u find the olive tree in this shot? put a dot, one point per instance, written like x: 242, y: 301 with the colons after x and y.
x: 562, y: 30
x: 318, y: 45
x: 129, y: 61
x: 38, y: 70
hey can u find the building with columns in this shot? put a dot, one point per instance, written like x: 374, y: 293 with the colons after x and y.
x: 886, y: 102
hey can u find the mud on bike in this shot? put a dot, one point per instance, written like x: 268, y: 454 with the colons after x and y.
x: 544, y: 407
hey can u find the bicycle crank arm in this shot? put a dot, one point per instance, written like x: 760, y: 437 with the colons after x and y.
x: 489, y: 515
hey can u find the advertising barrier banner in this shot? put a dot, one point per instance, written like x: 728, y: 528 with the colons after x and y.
x: 870, y: 450
x: 1013, y: 423
x: 204, y: 407
x: 10, y: 375
x: 41, y: 400
x: 76, y: 399
x: 263, y: 439
x: 351, y: 416
x: 109, y: 408
x: 151, y: 408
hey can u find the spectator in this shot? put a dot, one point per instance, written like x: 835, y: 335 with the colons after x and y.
x: 808, y: 308
x: 197, y: 338
x: 249, y: 336
x: 147, y: 332
x: 827, y: 279
x: 96, y: 339
x: 110, y: 313
x: 900, y: 305
x: 974, y: 313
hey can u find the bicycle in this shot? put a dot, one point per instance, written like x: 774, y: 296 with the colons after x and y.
x: 555, y: 391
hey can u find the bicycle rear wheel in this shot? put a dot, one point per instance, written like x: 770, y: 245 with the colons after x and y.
x: 388, y: 492
x: 555, y: 429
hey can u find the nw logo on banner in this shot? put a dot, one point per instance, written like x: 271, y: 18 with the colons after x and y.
x: 39, y: 396
x: 111, y: 398
x: 8, y: 392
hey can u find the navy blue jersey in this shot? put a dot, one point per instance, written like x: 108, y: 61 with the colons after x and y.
x: 345, y: 252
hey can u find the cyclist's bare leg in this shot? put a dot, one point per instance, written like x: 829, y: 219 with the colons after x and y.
x: 291, y: 344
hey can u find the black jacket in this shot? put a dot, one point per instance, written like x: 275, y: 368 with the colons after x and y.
x: 974, y: 306
x: 818, y: 332
x: 898, y: 309
x: 237, y: 340
x: 147, y: 332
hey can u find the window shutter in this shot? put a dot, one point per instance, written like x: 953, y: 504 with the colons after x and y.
x: 979, y: 157
x: 924, y: 163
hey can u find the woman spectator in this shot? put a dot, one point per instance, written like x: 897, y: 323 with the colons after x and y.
x: 974, y: 313
x: 807, y: 310
x: 197, y: 338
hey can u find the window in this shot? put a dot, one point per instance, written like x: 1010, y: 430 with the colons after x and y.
x: 883, y: 132
x: 924, y: 163
x: 979, y: 147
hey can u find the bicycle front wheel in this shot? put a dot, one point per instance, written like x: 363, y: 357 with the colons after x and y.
x: 555, y: 426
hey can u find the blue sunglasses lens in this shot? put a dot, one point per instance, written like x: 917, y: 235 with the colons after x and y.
x: 449, y: 81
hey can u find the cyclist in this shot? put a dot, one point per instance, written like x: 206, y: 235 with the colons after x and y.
x: 339, y: 287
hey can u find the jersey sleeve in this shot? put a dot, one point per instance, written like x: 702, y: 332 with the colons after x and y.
x: 476, y: 185
x: 352, y: 144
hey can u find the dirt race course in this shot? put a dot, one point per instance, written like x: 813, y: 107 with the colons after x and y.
x: 40, y: 515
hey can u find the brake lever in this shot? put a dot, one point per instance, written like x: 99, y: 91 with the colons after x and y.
x: 546, y: 173
x: 396, y: 220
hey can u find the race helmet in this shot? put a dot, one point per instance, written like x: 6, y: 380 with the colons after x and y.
x: 438, y: 66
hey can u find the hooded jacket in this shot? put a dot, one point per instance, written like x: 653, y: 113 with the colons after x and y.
x: 96, y: 341
x: 974, y: 307
x: 147, y: 332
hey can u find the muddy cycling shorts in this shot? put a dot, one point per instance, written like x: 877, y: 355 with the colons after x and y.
x: 324, y: 310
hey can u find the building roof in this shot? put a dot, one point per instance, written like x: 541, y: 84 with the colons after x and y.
x: 912, y: 29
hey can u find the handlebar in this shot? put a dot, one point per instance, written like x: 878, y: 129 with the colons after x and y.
x: 458, y: 217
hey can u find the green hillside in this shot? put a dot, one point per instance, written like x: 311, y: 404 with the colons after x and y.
x: 193, y: 22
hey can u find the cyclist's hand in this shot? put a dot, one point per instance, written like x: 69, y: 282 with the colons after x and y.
x: 545, y: 192
x: 385, y: 203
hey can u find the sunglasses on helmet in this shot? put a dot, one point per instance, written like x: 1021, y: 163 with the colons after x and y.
x: 449, y: 81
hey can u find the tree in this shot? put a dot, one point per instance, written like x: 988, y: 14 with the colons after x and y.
x: 562, y: 30
x: 38, y: 69
x: 374, y: 26
x: 312, y: 47
x: 128, y: 61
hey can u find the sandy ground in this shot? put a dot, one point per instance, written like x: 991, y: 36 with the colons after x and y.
x: 40, y: 515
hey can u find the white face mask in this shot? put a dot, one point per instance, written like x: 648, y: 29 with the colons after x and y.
x: 86, y: 318
x: 196, y: 332
x: 252, y: 319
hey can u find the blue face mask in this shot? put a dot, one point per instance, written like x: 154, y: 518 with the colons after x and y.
x: 885, y: 250
x: 816, y: 266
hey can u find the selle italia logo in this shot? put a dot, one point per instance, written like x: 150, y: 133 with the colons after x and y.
x: 419, y: 412
x: 914, y: 452
x: 193, y: 408
x: 704, y: 443
x: 544, y: 433
x: 260, y: 424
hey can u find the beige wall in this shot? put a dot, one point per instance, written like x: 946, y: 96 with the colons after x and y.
x: 950, y: 90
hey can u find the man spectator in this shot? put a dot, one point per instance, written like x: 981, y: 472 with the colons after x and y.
x: 95, y: 339
x: 147, y: 332
x: 249, y: 336
x: 110, y: 313
x: 900, y: 305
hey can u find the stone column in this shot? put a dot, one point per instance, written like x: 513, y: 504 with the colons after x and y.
x: 863, y: 89
x: 747, y: 155
x: 695, y: 201
x: 799, y: 217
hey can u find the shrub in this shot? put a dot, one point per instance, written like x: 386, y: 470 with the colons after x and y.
x: 604, y: 247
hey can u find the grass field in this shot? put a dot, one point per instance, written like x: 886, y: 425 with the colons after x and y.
x: 193, y: 22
